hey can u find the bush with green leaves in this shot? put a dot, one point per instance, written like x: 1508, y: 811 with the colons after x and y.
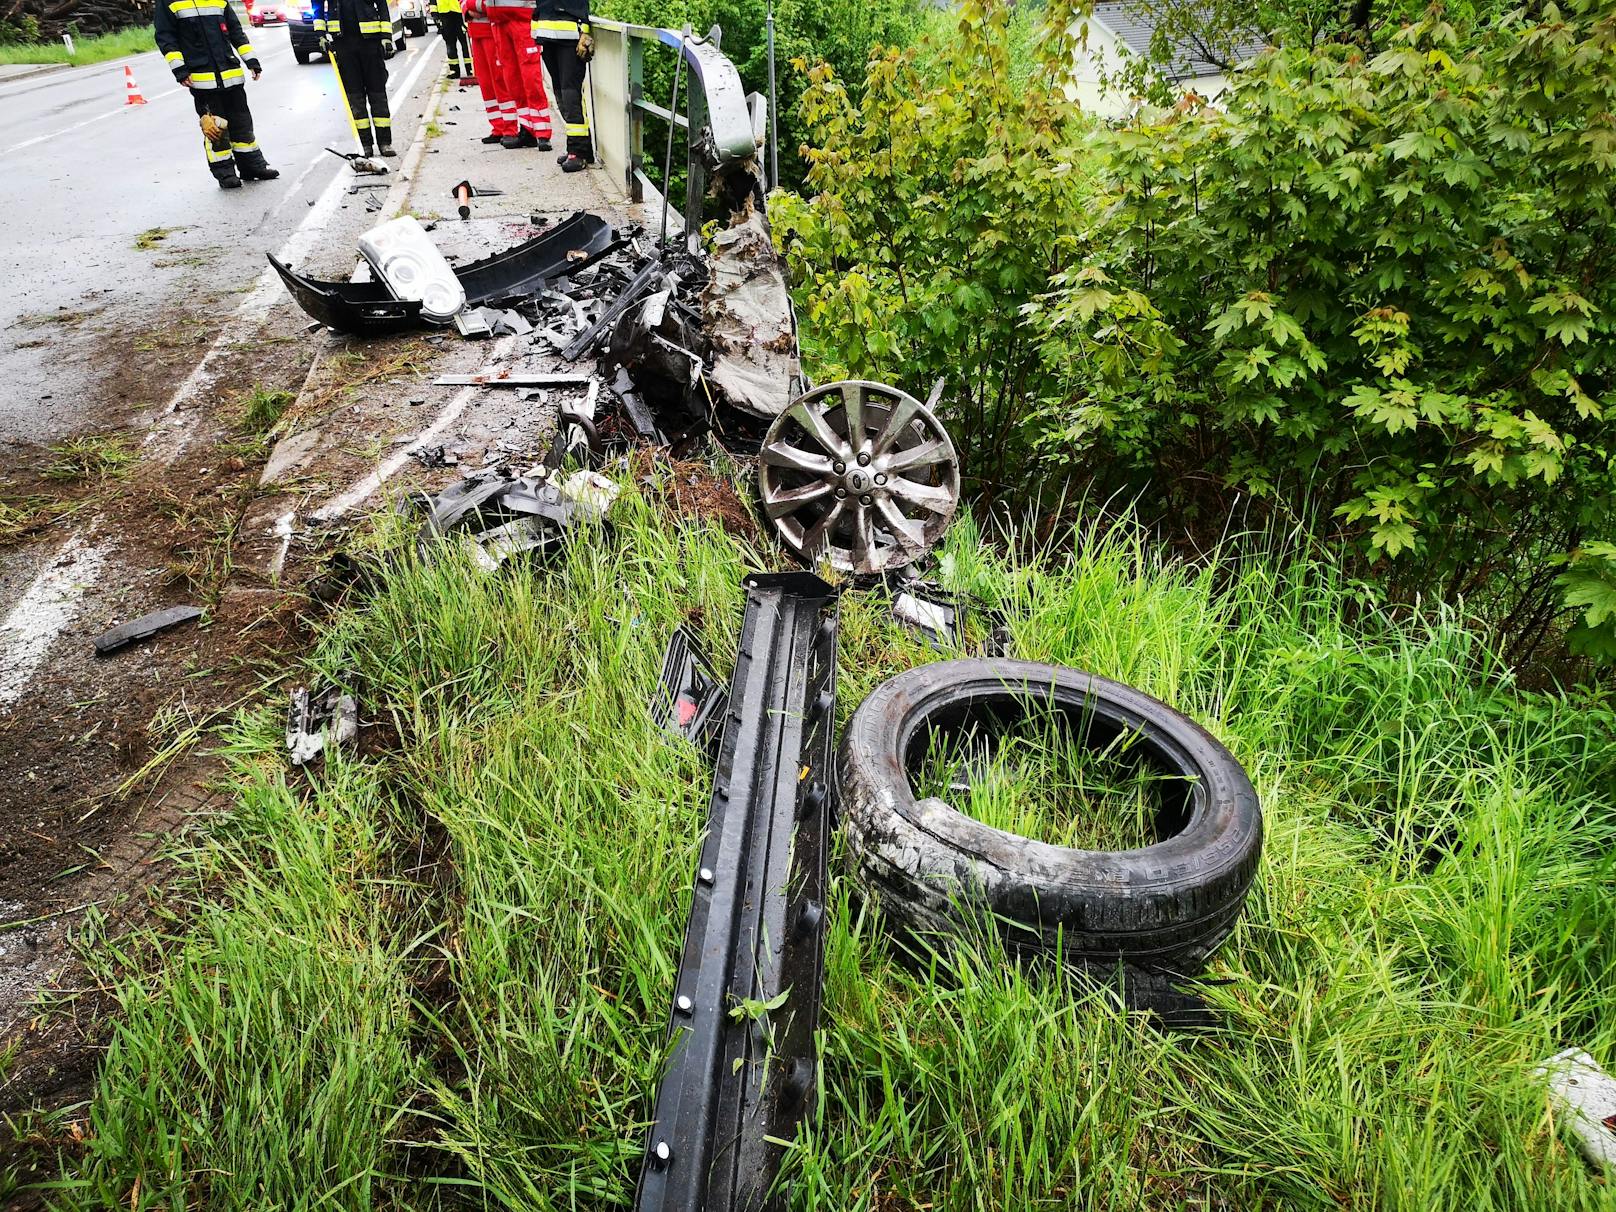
x: 943, y: 198
x: 1372, y: 295
x: 842, y: 33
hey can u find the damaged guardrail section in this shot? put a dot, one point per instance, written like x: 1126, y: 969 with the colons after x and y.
x: 747, y: 991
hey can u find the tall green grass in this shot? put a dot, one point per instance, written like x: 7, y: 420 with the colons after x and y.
x: 438, y: 974
x: 96, y: 48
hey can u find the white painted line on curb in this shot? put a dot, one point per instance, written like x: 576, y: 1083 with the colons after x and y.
x: 46, y: 606
x: 362, y: 491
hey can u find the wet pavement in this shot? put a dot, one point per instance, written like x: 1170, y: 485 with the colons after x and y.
x: 83, y: 175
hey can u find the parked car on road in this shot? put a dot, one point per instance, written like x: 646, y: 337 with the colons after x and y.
x: 414, y: 13
x: 306, y: 43
x: 267, y: 12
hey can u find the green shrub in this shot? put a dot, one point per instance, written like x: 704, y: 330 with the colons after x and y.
x: 1373, y: 294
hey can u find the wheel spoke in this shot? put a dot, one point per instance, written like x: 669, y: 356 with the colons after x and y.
x: 902, y: 413
x: 853, y: 408
x: 783, y: 454
x: 813, y: 542
x: 789, y: 500
x: 906, y: 532
x: 937, y: 500
x: 864, y: 540
x: 810, y: 419
x: 924, y: 455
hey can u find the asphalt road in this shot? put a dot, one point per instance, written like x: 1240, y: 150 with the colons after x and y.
x: 82, y: 175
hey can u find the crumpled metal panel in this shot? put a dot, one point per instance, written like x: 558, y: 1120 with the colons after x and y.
x: 746, y: 313
x: 728, y: 116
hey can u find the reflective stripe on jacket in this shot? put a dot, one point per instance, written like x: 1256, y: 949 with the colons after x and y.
x: 345, y: 18
x: 558, y: 30
x: 558, y: 16
x: 202, y: 40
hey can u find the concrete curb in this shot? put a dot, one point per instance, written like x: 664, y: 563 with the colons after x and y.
x: 29, y: 70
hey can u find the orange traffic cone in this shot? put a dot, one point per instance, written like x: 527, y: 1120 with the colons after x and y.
x: 131, y: 90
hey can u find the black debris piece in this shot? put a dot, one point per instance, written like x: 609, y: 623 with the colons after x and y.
x: 363, y: 309
x: 434, y: 456
x: 748, y: 986
x: 691, y: 701
x: 143, y: 628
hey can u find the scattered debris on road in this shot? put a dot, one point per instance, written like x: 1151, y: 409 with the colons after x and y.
x: 315, y: 722
x: 536, y: 512
x: 143, y: 628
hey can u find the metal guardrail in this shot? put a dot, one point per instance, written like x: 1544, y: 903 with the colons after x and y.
x: 728, y: 126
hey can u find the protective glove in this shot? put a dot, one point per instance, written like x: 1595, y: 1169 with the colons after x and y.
x: 586, y: 47
x: 215, y: 130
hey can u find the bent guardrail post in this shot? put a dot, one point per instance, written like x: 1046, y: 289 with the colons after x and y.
x: 747, y: 992
x: 724, y: 137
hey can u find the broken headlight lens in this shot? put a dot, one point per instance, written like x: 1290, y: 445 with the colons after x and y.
x: 410, y: 265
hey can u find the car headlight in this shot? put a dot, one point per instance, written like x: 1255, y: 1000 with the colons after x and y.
x: 410, y: 265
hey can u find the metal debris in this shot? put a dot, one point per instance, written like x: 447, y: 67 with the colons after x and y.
x: 747, y: 317
x: 146, y: 626
x: 315, y: 722
x: 511, y: 379
x: 924, y: 610
x: 502, y: 517
x: 1585, y: 1096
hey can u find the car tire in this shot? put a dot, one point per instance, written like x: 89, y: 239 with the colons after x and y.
x: 935, y: 872
x: 417, y: 28
x: 301, y: 55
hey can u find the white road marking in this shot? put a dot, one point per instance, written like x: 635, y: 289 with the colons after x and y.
x: 46, y: 606
x: 266, y: 292
x: 122, y: 109
x: 52, y: 599
x: 362, y: 491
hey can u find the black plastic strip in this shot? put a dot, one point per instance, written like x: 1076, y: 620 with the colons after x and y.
x: 747, y: 992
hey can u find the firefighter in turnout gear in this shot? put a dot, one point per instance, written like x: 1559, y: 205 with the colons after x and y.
x: 561, y: 28
x: 501, y: 110
x: 521, y: 72
x: 205, y: 48
x: 453, y: 28
x: 354, y: 33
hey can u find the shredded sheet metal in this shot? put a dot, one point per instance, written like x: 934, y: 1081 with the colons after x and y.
x: 746, y: 313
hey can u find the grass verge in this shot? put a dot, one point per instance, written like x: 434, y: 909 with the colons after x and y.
x: 95, y: 49
x: 437, y: 972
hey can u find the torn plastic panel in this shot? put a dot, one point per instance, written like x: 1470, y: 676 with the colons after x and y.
x: 525, y: 269
x: 363, y: 309
x: 747, y: 990
x: 367, y: 309
x: 691, y: 700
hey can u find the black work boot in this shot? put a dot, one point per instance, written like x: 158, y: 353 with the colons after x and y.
x: 367, y: 148
x: 230, y: 182
x: 259, y: 172
x: 523, y: 139
x: 386, y: 149
x: 544, y: 145
x: 574, y: 164
x: 493, y: 138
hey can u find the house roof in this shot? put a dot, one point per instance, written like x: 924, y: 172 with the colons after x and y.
x: 1135, y: 30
